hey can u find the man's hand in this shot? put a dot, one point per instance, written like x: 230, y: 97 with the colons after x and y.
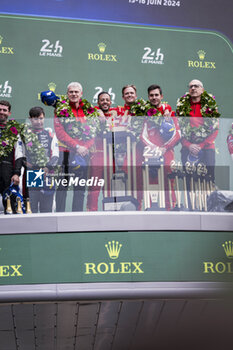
x: 194, y: 149
x: 15, y: 179
x: 82, y: 150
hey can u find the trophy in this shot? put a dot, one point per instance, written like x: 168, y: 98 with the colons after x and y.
x: 201, y: 185
x: 198, y: 186
x: 185, y: 190
x: 204, y: 186
x: 153, y: 167
x: 170, y: 181
x: 175, y: 175
x: 210, y: 187
x: 190, y: 170
x: 120, y: 188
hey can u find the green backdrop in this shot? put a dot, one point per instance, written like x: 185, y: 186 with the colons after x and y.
x: 35, y: 52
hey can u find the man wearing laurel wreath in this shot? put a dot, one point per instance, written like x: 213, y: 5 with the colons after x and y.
x: 154, y: 136
x: 106, y: 113
x: 129, y: 95
x: 74, y: 151
x: 200, y: 129
x: 11, y: 150
x: 161, y: 133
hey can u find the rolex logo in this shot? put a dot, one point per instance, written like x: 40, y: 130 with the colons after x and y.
x: 102, y: 47
x: 228, y: 248
x: 201, y: 63
x: 5, y: 49
x: 113, y: 249
x: 201, y: 54
x: 52, y: 86
x: 116, y: 267
x: 221, y: 267
x: 101, y: 55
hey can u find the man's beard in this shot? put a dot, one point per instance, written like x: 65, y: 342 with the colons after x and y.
x: 3, y: 119
x: 105, y: 109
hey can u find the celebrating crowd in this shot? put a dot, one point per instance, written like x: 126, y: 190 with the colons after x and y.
x: 76, y: 147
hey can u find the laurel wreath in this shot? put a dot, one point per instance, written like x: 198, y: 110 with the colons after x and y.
x: 9, y: 136
x: 142, y: 109
x: 74, y: 127
x: 209, y: 106
x: 34, y: 148
x: 209, y: 111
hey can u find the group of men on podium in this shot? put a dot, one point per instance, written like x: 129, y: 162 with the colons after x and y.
x: 90, y: 151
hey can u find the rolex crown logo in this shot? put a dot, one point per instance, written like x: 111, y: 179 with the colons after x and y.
x: 52, y: 86
x: 228, y: 247
x: 113, y: 249
x: 102, y: 47
x: 201, y: 54
x: 1, y: 39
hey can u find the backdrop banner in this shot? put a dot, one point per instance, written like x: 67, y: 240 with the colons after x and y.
x: 116, y: 257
